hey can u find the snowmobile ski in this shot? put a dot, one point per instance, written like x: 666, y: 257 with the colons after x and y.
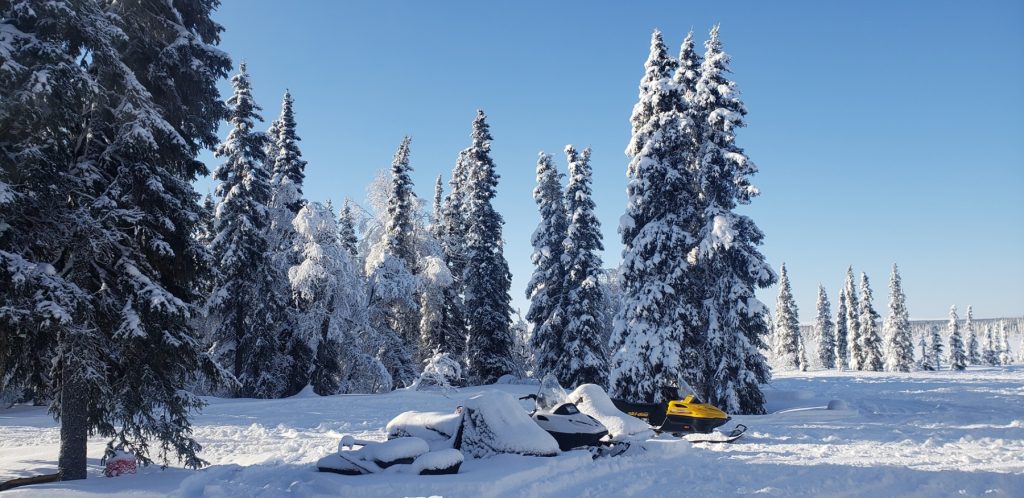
x: 731, y: 437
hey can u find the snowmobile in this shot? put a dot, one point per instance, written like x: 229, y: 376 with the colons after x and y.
x: 563, y: 420
x: 683, y: 413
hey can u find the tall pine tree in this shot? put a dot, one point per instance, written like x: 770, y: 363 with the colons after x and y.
x: 731, y: 265
x: 842, y: 349
x: 246, y: 301
x: 899, y: 351
x: 853, y: 340
x: 826, y: 331
x: 935, y: 348
x: 656, y: 339
x: 787, y: 324
x: 544, y: 290
x: 347, y: 229
x: 487, y: 278
x: 871, y: 342
x: 957, y: 355
x: 973, y: 347
x: 584, y: 359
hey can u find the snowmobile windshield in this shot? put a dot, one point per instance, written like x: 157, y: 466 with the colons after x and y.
x: 550, y: 393
x: 681, y: 391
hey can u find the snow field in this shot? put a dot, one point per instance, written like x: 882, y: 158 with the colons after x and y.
x: 919, y: 434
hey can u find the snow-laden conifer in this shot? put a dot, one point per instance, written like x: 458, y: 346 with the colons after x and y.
x: 871, y: 342
x: 486, y: 275
x: 853, y: 340
x: 655, y: 340
x: 990, y: 353
x: 787, y: 324
x: 544, y: 290
x: 347, y: 229
x: 842, y: 349
x: 957, y: 356
x: 973, y: 345
x: 727, y: 255
x: 247, y: 301
x: 935, y: 348
x: 826, y: 331
x: 584, y: 359
x: 899, y: 350
x: 1005, y: 358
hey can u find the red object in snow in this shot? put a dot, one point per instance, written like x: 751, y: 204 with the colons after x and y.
x: 121, y: 463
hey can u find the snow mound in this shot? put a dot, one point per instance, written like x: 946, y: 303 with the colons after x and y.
x: 438, y: 462
x: 495, y: 423
x: 592, y: 400
x: 838, y: 404
x: 388, y: 453
x: 433, y: 427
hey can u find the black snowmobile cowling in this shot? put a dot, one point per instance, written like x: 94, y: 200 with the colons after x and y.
x: 683, y: 413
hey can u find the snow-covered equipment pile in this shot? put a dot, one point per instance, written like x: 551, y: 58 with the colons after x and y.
x: 407, y: 454
x: 438, y: 429
x: 495, y: 422
x: 592, y: 400
x: 122, y: 462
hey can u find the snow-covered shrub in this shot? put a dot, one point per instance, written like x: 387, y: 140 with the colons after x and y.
x: 441, y: 370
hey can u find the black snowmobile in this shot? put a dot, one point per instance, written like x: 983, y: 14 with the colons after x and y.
x: 563, y: 420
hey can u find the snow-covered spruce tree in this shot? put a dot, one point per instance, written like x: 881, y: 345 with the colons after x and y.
x: 442, y: 326
x: 924, y: 362
x: 331, y: 298
x: 118, y: 285
x: 957, y: 355
x: 450, y: 234
x: 853, y: 339
x: 935, y: 348
x: 871, y: 342
x: 899, y: 350
x: 347, y: 229
x: 727, y: 255
x: 247, y: 302
x: 392, y: 266
x: 486, y: 275
x: 1005, y: 358
x: 522, y: 353
x: 1020, y: 349
x: 787, y: 324
x: 973, y: 345
x: 801, y: 356
x: 287, y: 171
x: 656, y: 339
x: 842, y: 351
x: 544, y: 289
x: 989, y: 352
x: 436, y: 216
x: 584, y: 359
x: 826, y: 331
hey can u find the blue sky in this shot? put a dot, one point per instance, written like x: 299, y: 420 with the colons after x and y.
x: 884, y: 131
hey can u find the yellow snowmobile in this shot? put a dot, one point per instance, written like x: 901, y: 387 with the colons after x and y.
x: 681, y: 413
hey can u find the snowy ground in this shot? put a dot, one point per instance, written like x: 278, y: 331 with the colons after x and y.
x: 921, y: 434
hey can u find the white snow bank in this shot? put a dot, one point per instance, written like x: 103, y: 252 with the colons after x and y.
x: 592, y: 400
x: 496, y: 423
x: 433, y: 427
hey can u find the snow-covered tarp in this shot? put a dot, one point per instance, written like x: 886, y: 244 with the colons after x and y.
x: 496, y: 423
x: 592, y: 400
x: 436, y: 428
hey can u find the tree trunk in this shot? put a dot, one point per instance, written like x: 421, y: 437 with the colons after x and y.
x: 74, y: 425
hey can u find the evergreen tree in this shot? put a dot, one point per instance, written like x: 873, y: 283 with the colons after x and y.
x: 99, y: 125
x: 826, y: 331
x: 584, y: 359
x: 925, y: 362
x: 842, y: 351
x: 436, y: 216
x: 656, y: 338
x: 957, y: 356
x: 347, y: 229
x: 450, y: 234
x: 487, y: 278
x: 871, y: 342
x: 990, y: 355
x: 935, y: 349
x: 900, y: 343
x: 544, y: 289
x: 973, y: 352
x: 787, y: 324
x: 727, y: 254
x: 853, y: 339
x: 1004, y: 344
x: 801, y: 356
x: 246, y: 301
